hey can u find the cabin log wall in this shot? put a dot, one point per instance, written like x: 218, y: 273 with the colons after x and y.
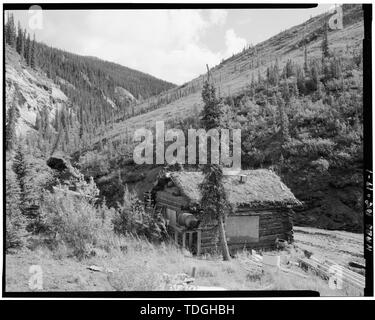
x: 273, y: 223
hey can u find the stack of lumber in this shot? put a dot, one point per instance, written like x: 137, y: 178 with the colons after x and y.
x: 327, y: 269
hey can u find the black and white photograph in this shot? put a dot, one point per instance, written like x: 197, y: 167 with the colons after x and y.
x: 184, y: 149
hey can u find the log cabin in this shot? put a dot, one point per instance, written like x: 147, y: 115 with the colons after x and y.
x: 261, y: 210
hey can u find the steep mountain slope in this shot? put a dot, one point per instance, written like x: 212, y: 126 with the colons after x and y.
x: 31, y: 92
x: 72, y: 92
x: 93, y: 74
x: 234, y: 75
x: 99, y: 90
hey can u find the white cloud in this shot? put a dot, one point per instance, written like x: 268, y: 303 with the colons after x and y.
x: 169, y: 44
x: 165, y: 44
x: 233, y: 42
x: 218, y: 16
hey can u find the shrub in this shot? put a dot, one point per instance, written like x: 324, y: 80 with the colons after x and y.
x: 94, y: 164
x: 321, y: 164
x: 74, y: 221
x: 131, y: 217
x: 311, y: 148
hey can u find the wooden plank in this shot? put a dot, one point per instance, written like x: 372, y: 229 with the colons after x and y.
x: 326, y: 272
x: 199, y: 234
x: 190, y: 240
x: 183, y: 239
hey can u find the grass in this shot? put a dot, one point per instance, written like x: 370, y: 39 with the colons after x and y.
x: 137, y: 265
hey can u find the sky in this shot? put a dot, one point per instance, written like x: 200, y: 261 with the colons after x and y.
x: 173, y: 45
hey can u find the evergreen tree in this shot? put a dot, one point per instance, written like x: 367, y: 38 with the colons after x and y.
x: 28, y: 49
x: 305, y: 62
x: 34, y: 176
x: 25, y: 48
x: 25, y: 168
x: 6, y: 28
x: 19, y: 167
x: 300, y: 80
x: 282, y: 101
x: 10, y: 126
x: 33, y: 54
x: 289, y: 69
x: 11, y: 31
x: 214, y: 200
x: 273, y: 74
x: 212, y: 111
x: 315, y: 76
x: 276, y: 71
x: 20, y: 41
x: 325, y: 48
x: 336, y: 69
x: 14, y: 221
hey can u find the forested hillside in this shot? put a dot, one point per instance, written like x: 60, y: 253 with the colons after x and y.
x: 75, y: 201
x: 103, y: 83
x: 96, y: 91
x: 297, y: 98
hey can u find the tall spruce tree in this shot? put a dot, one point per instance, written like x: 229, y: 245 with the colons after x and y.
x: 325, y: 48
x: 28, y: 50
x: 24, y: 36
x: 283, y: 100
x: 10, y: 126
x: 19, y: 167
x: 14, y: 220
x: 6, y: 28
x: 11, y: 35
x: 305, y: 61
x: 20, y: 41
x: 33, y: 54
x: 214, y: 202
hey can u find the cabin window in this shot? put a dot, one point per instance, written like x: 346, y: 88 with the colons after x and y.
x: 171, y: 216
x: 242, y: 228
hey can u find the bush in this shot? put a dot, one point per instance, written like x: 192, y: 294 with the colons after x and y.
x: 311, y: 148
x: 131, y: 217
x: 74, y: 221
x: 321, y: 164
x: 94, y: 164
